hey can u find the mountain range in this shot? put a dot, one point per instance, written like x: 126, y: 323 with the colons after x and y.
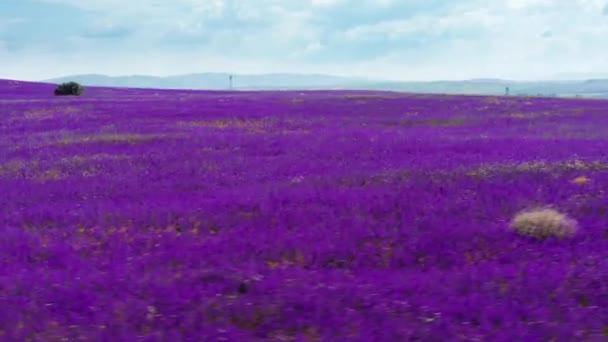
x: 593, y: 88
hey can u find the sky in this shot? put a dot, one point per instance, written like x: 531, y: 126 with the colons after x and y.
x: 378, y: 39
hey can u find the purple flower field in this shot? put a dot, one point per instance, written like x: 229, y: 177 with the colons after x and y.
x: 298, y: 216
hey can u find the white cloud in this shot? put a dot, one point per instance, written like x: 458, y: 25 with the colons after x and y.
x: 524, y: 4
x: 325, y: 3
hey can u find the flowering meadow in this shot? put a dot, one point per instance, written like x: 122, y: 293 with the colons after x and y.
x: 161, y: 215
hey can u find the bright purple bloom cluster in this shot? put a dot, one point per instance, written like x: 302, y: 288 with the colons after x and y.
x: 298, y: 216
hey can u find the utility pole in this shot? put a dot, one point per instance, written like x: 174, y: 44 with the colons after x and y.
x: 230, y: 81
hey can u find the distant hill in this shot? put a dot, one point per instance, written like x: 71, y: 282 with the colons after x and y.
x: 587, y: 88
x: 597, y: 88
x: 214, y: 81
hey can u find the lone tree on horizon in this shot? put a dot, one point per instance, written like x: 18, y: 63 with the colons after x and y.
x: 69, y: 88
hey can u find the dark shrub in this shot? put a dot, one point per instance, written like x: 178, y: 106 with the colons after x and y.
x: 69, y: 88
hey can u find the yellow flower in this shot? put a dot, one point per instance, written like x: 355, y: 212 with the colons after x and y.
x: 581, y: 180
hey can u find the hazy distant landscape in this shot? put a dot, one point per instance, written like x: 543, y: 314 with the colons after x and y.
x: 592, y: 88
